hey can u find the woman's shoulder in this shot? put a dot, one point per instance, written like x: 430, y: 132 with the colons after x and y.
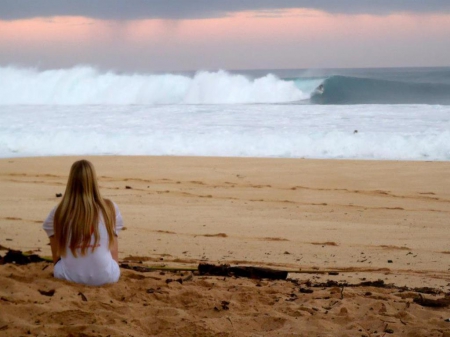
x: 53, y: 211
x: 118, y: 216
x: 111, y: 204
x: 48, y: 222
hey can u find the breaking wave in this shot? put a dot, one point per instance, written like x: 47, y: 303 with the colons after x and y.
x: 86, y: 85
x: 340, y: 89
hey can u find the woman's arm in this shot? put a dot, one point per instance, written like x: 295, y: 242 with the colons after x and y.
x: 48, y: 228
x: 55, y: 255
x: 115, y: 249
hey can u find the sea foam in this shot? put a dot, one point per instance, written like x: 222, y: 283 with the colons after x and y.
x: 86, y: 85
x: 397, y: 132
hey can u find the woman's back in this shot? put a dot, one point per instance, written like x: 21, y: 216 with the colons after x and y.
x: 83, y: 231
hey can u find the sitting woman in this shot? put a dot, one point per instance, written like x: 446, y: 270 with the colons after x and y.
x: 83, y: 231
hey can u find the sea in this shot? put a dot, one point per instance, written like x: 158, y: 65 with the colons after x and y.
x: 370, y: 114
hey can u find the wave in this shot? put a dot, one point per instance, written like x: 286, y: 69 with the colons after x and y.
x: 340, y: 89
x: 395, y: 132
x: 228, y: 143
x: 86, y: 85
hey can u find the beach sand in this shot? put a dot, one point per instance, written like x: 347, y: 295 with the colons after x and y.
x: 366, y: 220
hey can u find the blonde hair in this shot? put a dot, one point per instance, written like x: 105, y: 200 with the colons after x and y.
x: 77, y: 215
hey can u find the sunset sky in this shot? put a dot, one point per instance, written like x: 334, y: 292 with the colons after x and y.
x: 177, y: 35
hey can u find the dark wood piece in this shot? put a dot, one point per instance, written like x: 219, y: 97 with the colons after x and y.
x: 427, y: 302
x: 242, y: 271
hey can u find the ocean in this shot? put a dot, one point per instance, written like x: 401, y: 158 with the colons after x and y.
x: 377, y: 114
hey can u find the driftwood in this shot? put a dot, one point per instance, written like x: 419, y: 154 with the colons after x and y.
x: 437, y: 303
x: 242, y: 271
x: 221, y: 270
x: 20, y: 258
x: 331, y: 283
x: 381, y: 284
x: 147, y: 269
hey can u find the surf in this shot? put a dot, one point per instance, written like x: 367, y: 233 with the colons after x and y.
x: 339, y: 89
x: 83, y: 85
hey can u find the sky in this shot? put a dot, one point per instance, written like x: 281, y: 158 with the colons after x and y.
x: 185, y: 35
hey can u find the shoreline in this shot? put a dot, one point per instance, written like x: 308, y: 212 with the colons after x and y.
x: 224, y: 158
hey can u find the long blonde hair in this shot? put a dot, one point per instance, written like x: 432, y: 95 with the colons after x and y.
x: 77, y: 215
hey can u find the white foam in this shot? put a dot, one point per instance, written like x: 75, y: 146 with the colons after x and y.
x: 405, y: 132
x: 86, y: 85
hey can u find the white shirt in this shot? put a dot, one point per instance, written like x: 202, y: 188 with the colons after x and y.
x: 94, y: 268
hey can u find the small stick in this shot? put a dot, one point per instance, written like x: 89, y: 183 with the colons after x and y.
x: 165, y: 268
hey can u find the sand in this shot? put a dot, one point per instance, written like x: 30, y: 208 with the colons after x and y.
x: 367, y: 220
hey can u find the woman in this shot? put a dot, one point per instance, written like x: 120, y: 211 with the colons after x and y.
x: 83, y: 231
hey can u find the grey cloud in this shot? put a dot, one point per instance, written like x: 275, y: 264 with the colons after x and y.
x: 196, y: 9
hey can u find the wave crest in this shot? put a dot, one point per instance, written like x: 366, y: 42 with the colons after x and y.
x: 86, y: 85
